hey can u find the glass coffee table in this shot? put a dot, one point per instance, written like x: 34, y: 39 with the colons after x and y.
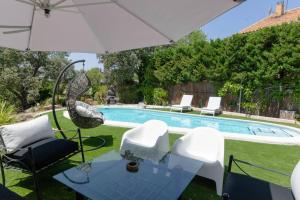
x: 107, y: 178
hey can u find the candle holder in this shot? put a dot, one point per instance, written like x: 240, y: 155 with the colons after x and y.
x: 132, y: 166
x: 134, y: 162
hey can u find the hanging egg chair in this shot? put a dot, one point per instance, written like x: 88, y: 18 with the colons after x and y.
x: 81, y: 114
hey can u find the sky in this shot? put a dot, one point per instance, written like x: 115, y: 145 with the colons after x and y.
x: 225, y: 25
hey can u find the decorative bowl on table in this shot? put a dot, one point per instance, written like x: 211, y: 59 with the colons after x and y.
x: 132, y: 166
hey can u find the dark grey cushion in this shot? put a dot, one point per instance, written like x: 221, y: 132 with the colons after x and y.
x: 8, y: 195
x: 45, y: 152
x: 243, y: 187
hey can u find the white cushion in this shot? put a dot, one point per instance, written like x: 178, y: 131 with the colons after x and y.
x: 85, y: 110
x: 21, y: 134
x: 295, y: 182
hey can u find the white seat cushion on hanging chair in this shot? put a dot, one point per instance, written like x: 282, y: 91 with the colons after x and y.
x: 86, y: 110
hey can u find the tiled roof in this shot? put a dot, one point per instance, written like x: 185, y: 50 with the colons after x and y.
x: 273, y: 20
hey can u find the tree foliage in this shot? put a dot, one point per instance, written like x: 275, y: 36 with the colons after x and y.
x: 97, y: 78
x: 184, y: 61
x: 25, y: 74
x: 261, y: 63
x: 128, y: 70
x: 6, y: 113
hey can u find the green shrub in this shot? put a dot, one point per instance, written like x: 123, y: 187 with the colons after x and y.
x: 46, y: 91
x: 61, y: 100
x: 160, y: 96
x: 250, y: 108
x: 148, y: 94
x: 46, y: 102
x: 6, y: 113
x: 100, y: 95
x: 129, y: 94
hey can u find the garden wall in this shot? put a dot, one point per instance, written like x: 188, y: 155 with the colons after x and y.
x: 203, y: 90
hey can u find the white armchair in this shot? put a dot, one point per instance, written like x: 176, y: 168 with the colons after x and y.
x: 205, y: 144
x: 148, y: 141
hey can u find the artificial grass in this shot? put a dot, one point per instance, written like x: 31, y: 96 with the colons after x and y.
x: 279, y: 157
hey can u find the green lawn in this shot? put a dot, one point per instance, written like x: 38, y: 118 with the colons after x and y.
x: 275, y: 156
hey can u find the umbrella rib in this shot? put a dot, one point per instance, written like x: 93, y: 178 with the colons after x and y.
x: 143, y: 21
x: 30, y: 30
x: 57, y: 3
x: 60, y: 9
x: 33, y: 1
x: 26, y: 2
x: 70, y: 11
x: 16, y: 31
x: 83, y: 4
x: 14, y: 27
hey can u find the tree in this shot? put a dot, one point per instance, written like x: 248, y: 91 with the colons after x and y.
x: 23, y: 74
x: 126, y: 70
x: 260, y: 62
x: 96, y: 77
x: 184, y: 61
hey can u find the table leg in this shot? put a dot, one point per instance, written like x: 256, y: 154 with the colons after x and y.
x: 79, y: 196
x: 180, y: 197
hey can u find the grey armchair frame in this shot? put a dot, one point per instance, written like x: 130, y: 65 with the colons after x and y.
x: 243, y: 186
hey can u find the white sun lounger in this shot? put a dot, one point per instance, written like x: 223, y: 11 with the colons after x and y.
x: 185, y: 103
x: 213, y: 106
x: 148, y: 141
x: 205, y: 144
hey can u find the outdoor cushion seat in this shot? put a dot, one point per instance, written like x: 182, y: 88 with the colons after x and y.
x: 6, y: 194
x: 45, y: 152
x: 32, y: 147
x: 240, y: 186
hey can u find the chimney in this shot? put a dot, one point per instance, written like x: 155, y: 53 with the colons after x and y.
x: 279, y: 10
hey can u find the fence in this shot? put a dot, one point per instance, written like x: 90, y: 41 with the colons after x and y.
x: 266, y: 102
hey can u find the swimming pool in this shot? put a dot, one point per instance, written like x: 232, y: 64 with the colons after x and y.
x: 180, y: 120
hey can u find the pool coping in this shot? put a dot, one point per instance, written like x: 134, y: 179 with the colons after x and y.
x: 206, y: 116
x: 232, y: 136
x: 295, y: 140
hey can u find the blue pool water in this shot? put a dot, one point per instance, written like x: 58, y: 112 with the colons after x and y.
x: 192, y: 121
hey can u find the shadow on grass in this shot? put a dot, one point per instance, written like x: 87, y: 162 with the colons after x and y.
x: 94, y: 141
x: 49, y: 188
x: 200, y: 188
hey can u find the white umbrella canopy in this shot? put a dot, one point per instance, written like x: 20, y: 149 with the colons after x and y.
x: 102, y: 26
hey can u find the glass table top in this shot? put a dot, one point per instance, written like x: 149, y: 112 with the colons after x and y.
x: 107, y: 178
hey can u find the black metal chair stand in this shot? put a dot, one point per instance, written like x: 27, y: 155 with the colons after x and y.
x: 244, y: 187
x: 78, y: 86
